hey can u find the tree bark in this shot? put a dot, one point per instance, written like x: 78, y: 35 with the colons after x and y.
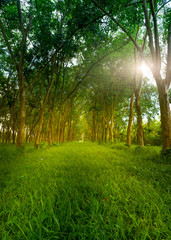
x: 58, y: 126
x: 22, y: 113
x: 113, y: 106
x: 112, y: 123
x: 50, y: 130
x: 131, y: 113
x: 137, y: 90
x: 165, y: 116
x: 140, y: 131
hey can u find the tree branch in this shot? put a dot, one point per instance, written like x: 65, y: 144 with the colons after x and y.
x: 156, y: 37
x: 60, y: 47
x: 126, y: 32
x: 24, y: 33
x: 8, y: 45
x: 90, y: 68
x: 119, y: 25
x: 162, y: 6
x: 149, y: 30
x: 20, y: 17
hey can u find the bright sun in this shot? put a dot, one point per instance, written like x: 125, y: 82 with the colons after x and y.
x: 146, y: 72
x: 144, y: 69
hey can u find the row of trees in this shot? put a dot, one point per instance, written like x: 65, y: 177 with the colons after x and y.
x: 110, y: 104
x: 51, y: 52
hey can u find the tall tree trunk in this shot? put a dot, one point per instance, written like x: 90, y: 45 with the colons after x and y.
x: 103, y: 130
x: 50, y: 129
x: 105, y: 134
x: 112, y: 114
x: 13, y: 116
x: 69, y: 130
x: 4, y: 127
x: 22, y: 113
x: 137, y: 90
x: 94, y: 126
x: 165, y: 116
x: 111, y: 126
x: 113, y: 106
x: 131, y: 113
x: 163, y: 87
x: 63, y: 132
x: 111, y: 133
x: 58, y: 127
x: 140, y: 131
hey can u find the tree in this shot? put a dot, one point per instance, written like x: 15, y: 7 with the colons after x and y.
x: 145, y: 11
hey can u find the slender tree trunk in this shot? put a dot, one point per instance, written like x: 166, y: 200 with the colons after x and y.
x: 4, y: 127
x: 69, y: 131
x: 3, y: 134
x: 13, y: 135
x: 111, y: 133
x: 131, y: 113
x: 112, y: 114
x: 59, y: 123
x: 63, y: 132
x: 50, y: 130
x: 103, y: 130
x: 94, y: 126
x: 58, y: 127
x: 111, y: 127
x: 60, y: 133
x: 13, y: 113
x: 22, y: 113
x: 73, y: 132
x: 137, y: 90
x: 140, y: 131
x: 105, y: 134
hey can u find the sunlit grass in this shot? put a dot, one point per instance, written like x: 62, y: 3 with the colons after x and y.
x: 84, y: 191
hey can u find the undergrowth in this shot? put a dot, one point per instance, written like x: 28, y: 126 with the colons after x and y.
x: 84, y: 191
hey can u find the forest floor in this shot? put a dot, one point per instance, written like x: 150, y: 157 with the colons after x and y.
x: 84, y: 191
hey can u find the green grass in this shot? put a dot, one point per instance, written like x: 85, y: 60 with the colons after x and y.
x: 84, y: 191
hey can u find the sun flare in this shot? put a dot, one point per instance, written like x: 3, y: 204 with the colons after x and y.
x: 144, y: 69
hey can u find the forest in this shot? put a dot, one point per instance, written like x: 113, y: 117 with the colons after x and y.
x: 85, y: 120
x: 72, y: 71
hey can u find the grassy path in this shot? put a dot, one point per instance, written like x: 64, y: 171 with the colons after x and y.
x: 83, y: 191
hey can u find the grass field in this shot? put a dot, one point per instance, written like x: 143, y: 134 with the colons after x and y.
x: 84, y: 191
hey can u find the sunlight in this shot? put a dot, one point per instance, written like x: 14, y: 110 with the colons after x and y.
x: 144, y: 69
